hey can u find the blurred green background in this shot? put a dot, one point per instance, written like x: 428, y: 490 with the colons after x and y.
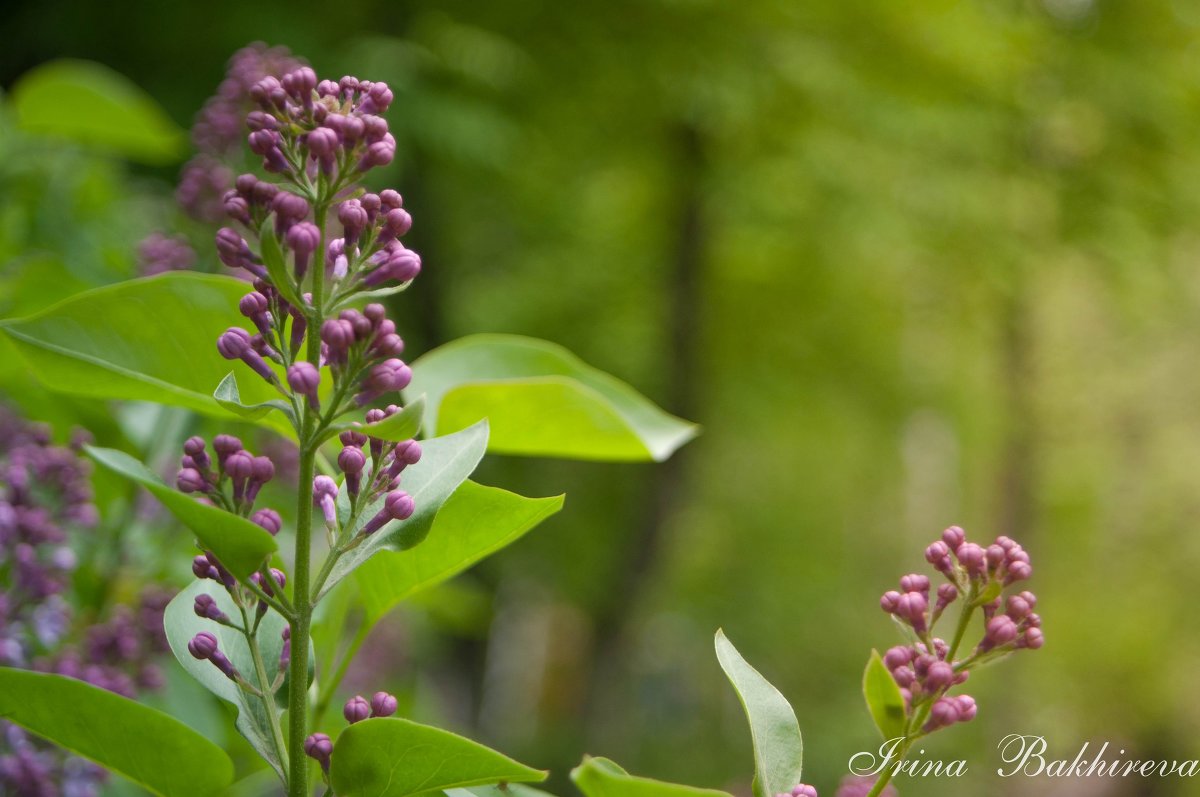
x: 908, y: 264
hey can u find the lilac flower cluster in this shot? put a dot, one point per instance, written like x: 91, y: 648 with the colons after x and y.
x: 45, y: 494
x: 158, y: 253
x: 799, y: 790
x: 857, y: 786
x: 217, y: 131
x: 319, y: 746
x: 976, y: 577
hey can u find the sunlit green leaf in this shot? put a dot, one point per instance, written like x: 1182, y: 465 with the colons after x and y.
x: 239, y: 544
x: 883, y: 697
x: 476, y: 522
x: 143, y: 744
x: 542, y: 400
x: 600, y: 777
x: 150, y: 339
x: 397, y: 758
x: 778, y: 747
x: 93, y: 105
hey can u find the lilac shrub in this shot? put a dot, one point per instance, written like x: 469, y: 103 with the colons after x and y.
x: 45, y: 497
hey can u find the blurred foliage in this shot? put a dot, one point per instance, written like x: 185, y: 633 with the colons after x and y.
x: 908, y: 266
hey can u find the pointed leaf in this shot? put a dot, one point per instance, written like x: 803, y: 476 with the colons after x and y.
x: 476, y: 522
x: 778, y: 747
x: 404, y: 425
x: 883, y: 697
x: 446, y: 462
x: 542, y: 400
x: 397, y: 758
x: 181, y: 624
x: 91, y: 104
x: 239, y: 544
x: 143, y: 744
x: 493, y: 790
x: 272, y: 255
x: 600, y: 777
x: 150, y: 339
x: 229, y: 397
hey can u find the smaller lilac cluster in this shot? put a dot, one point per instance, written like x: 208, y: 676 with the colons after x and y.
x: 319, y: 746
x: 859, y: 786
x: 928, y: 667
x: 159, y: 253
x: 381, y: 463
x: 217, y: 130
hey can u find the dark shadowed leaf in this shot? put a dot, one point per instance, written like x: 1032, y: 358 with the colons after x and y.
x: 600, y: 777
x: 883, y: 697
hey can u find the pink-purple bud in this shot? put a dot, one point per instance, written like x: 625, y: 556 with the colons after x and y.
x: 356, y: 709
x: 304, y: 378
x: 383, y: 705
x: 319, y: 747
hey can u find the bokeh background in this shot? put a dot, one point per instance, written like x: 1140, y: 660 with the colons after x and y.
x: 908, y: 264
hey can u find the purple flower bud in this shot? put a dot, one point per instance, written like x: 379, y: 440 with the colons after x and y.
x: 938, y: 555
x: 338, y: 335
x: 953, y: 537
x: 381, y: 153
x: 206, y: 607
x: 904, y: 676
x: 408, y: 451
x: 285, y: 652
x: 889, y: 601
x: 356, y: 709
x: 353, y: 217
x: 391, y: 199
x: 1001, y: 630
x: 263, y: 142
x: 383, y: 705
x: 319, y: 747
x: 898, y: 656
x: 911, y: 607
x: 398, y: 222
x: 303, y: 238
x: 1018, y: 571
x: 190, y: 480
x: 1032, y: 639
x: 269, y: 520
x: 966, y: 707
x: 323, y: 143
x: 256, y: 307
x: 972, y: 558
x: 914, y: 582
x: 1018, y: 608
x: 235, y: 344
x: 351, y: 437
x: 262, y: 472
x: 202, y: 568
x: 944, y: 712
x: 398, y: 505
x: 202, y: 646
x: 257, y: 120
x: 304, y: 378
x: 234, y: 252
x: 939, y: 676
x: 194, y: 448
x: 325, y: 496
x: 352, y: 460
x: 224, y: 445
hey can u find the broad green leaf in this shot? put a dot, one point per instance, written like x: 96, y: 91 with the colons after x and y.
x: 181, y: 624
x: 542, y: 400
x: 883, y: 697
x: 357, y: 299
x: 600, y: 777
x: 446, y: 462
x: 494, y: 790
x: 239, y: 544
x: 272, y: 255
x: 476, y: 522
x: 229, y: 397
x: 150, y: 339
x: 778, y: 747
x: 397, y: 758
x: 93, y: 105
x: 143, y: 744
x: 404, y: 425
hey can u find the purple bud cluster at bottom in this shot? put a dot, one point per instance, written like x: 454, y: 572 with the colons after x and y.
x: 855, y: 786
x: 319, y: 747
x: 800, y: 790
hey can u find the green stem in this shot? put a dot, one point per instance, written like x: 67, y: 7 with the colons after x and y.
x: 266, y: 693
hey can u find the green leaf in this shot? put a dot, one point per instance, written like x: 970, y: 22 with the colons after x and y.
x: 93, y: 105
x: 272, y: 255
x: 475, y: 522
x: 404, y: 425
x: 600, y: 777
x: 239, y: 544
x: 397, y: 758
x: 446, y: 462
x: 357, y: 299
x: 542, y: 400
x: 229, y: 397
x: 181, y: 624
x: 778, y: 747
x: 150, y: 339
x: 493, y: 790
x: 145, y: 745
x: 883, y: 697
